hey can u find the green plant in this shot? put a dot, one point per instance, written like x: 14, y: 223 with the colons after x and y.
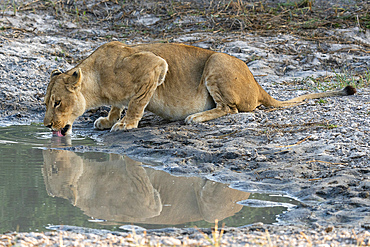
x: 337, y: 80
x: 77, y: 13
x: 365, y: 20
x: 322, y: 101
x: 312, y: 23
x: 329, y: 126
x: 14, y: 7
x: 347, y: 78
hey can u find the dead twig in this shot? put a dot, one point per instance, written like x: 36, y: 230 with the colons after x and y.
x: 297, y: 143
x: 308, y: 240
x: 326, y: 162
x: 23, y: 7
x: 19, y: 29
x: 228, y: 134
x: 268, y: 238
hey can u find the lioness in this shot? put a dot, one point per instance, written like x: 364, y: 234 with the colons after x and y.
x: 123, y: 190
x: 174, y: 81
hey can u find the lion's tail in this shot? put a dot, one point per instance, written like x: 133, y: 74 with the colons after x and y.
x: 267, y: 100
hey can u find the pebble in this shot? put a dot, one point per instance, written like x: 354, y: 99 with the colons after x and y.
x: 132, y: 228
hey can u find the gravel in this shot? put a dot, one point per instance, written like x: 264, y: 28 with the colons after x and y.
x: 257, y: 235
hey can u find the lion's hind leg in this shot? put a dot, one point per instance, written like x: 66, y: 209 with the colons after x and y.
x: 204, y: 116
x: 222, y: 81
x: 225, y: 104
x: 114, y: 115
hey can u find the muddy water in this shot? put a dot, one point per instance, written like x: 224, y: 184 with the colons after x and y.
x: 41, y: 186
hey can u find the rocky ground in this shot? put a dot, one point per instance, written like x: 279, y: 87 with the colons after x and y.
x: 317, y: 152
x: 247, y: 236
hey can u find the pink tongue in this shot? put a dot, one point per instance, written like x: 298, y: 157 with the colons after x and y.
x: 57, y: 133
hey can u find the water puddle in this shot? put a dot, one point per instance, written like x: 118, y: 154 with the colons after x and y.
x: 40, y: 186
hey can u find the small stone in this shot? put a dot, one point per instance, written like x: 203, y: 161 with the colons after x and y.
x: 329, y: 229
x: 261, y: 158
x: 316, y: 225
x: 357, y: 155
x: 366, y: 226
x: 365, y: 185
x: 131, y: 228
x: 171, y: 242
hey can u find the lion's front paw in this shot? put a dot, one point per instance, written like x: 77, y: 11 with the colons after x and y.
x: 117, y: 127
x: 102, y: 123
x: 123, y: 126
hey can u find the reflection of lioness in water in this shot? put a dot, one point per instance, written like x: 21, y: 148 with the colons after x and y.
x: 121, y: 190
x: 173, y: 81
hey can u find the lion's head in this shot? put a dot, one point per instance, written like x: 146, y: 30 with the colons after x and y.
x: 64, y: 101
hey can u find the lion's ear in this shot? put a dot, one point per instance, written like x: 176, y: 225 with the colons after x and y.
x: 55, y: 72
x: 75, y: 80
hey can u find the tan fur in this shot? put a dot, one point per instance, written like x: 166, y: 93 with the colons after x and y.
x: 173, y: 81
x: 123, y: 190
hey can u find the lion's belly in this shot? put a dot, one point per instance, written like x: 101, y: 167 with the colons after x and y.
x: 177, y: 107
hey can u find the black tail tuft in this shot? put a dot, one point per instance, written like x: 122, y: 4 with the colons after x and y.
x: 349, y: 90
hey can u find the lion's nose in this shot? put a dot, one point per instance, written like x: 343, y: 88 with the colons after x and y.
x: 48, y: 123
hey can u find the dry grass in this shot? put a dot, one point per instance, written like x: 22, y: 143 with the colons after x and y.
x: 216, y: 238
x: 296, y: 17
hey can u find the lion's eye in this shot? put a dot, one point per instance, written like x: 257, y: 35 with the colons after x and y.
x: 57, y: 103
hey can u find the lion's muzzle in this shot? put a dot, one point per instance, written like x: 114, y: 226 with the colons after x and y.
x: 61, y: 132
